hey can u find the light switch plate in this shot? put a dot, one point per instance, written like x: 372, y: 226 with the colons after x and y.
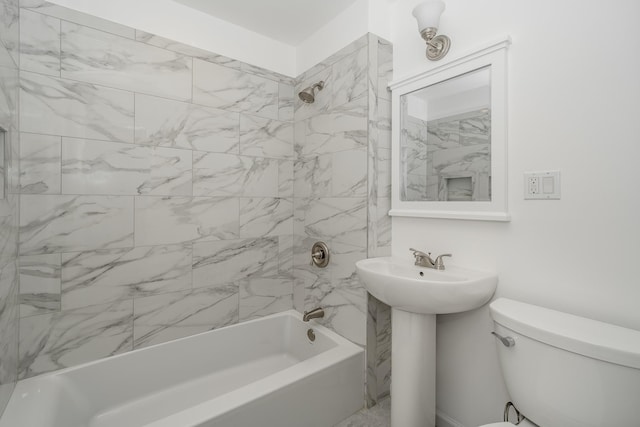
x: 543, y: 185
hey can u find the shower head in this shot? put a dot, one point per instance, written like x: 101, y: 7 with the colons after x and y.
x: 308, y: 95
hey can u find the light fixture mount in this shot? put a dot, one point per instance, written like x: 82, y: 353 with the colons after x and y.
x: 437, y: 46
x: 428, y: 16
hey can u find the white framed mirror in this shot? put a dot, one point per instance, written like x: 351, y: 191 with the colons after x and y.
x: 449, y: 153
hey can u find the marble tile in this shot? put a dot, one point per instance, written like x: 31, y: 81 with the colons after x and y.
x: 383, y: 124
x: 234, y: 90
x: 341, y: 220
x: 106, y: 276
x: 171, y: 173
x: 265, y: 216
x: 349, y: 78
x: 169, y: 220
x: 9, y: 84
x: 263, y: 72
x: 383, y: 223
x: 40, y: 164
x: 377, y: 416
x: 184, y: 49
x: 169, y: 123
x: 8, y: 329
x: 227, y: 261
x: 341, y: 128
x: 286, y: 96
x: 98, y: 57
x: 60, y: 340
x: 265, y: 137
x: 285, y: 178
x: 50, y: 224
x: 98, y: 167
x: 216, y: 174
x: 69, y: 108
x: 335, y: 57
x: 39, y: 284
x: 260, y: 297
x: 56, y: 11
x: 312, y: 176
x: 9, y: 227
x: 384, y: 173
x: 344, y: 305
x: 385, y: 69
x: 349, y: 173
x: 285, y: 255
x: 175, y: 315
x: 39, y: 43
x: 9, y: 33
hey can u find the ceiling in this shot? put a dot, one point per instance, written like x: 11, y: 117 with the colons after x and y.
x: 288, y: 21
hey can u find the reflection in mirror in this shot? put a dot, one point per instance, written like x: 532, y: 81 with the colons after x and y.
x: 445, y: 140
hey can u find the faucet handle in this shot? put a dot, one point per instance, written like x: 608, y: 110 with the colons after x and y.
x: 438, y: 263
x: 417, y: 253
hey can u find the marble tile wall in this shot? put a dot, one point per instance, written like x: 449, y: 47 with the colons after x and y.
x: 342, y: 193
x: 153, y: 209
x: 9, y: 200
x: 156, y: 190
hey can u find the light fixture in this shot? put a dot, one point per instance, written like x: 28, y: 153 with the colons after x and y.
x: 428, y: 16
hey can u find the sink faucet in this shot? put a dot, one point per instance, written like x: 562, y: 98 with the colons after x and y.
x: 425, y: 260
x: 313, y: 314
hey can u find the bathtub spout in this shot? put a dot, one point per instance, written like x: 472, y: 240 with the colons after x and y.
x: 313, y: 314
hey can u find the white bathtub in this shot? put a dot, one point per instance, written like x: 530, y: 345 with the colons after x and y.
x: 263, y: 372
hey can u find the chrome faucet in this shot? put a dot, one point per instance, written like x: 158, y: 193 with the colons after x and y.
x: 316, y: 313
x: 425, y: 260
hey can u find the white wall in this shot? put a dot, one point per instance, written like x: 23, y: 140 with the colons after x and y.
x: 186, y: 25
x: 573, y: 105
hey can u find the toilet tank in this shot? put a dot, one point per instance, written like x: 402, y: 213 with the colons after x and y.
x: 568, y: 371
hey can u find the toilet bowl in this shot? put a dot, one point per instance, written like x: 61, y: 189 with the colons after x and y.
x: 563, y: 370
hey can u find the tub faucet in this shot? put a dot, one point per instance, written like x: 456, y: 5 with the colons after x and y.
x: 316, y: 313
x: 425, y: 260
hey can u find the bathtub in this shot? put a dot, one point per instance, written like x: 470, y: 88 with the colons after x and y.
x: 263, y: 372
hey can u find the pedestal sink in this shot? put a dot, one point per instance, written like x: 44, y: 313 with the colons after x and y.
x: 416, y: 295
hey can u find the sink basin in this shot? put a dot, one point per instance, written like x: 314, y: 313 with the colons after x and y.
x: 402, y: 285
x: 416, y: 295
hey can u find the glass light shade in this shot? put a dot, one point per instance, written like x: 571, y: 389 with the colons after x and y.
x: 428, y: 14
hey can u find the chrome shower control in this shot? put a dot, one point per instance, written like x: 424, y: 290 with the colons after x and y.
x: 320, y: 254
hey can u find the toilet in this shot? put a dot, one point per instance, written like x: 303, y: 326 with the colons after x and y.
x: 563, y: 370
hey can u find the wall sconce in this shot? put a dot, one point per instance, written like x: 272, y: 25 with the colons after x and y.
x: 428, y: 16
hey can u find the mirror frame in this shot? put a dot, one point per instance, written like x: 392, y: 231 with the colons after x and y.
x: 495, y: 57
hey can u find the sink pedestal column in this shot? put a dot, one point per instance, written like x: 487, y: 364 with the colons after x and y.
x: 413, y: 369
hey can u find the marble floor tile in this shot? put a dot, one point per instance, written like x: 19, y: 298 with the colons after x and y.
x: 377, y: 416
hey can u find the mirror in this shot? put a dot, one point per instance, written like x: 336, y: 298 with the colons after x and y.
x: 449, y: 131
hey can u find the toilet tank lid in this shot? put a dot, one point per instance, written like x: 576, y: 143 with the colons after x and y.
x: 588, y: 337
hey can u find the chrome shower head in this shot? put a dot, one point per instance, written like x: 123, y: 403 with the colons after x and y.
x: 308, y: 95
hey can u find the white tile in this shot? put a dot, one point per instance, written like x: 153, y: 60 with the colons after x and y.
x: 39, y: 43
x: 175, y: 315
x: 349, y: 79
x: 167, y: 220
x: 99, y: 277
x: 285, y: 102
x: 69, y: 108
x: 102, y: 58
x: 261, y: 217
x: 234, y: 90
x: 98, y: 167
x: 169, y: 123
x: 55, y: 341
x: 40, y: 164
x: 260, y: 297
x: 349, y: 173
x: 39, y: 284
x: 50, y: 224
x: 227, y: 261
x: 265, y: 137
